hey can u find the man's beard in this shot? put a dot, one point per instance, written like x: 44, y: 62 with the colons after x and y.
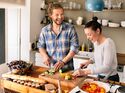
x: 57, y: 23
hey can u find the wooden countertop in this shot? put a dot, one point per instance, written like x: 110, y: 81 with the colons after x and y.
x: 65, y: 84
x: 35, y: 74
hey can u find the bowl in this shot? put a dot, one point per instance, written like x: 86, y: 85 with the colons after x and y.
x: 106, y: 86
x: 19, y: 67
x: 122, y: 23
x: 111, y: 24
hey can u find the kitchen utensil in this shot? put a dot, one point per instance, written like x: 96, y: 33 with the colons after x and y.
x: 120, y: 89
x: 111, y: 24
x: 105, y: 22
x: 59, y: 87
x: 123, y: 23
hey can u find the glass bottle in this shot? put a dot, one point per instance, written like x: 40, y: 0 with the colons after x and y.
x: 83, y: 47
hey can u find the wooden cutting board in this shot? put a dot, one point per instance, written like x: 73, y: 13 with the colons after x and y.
x: 65, y: 84
x: 21, y: 88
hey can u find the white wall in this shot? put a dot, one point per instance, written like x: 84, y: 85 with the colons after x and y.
x: 31, y: 17
x: 36, y: 16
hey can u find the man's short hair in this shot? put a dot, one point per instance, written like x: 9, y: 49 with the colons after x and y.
x: 52, y: 6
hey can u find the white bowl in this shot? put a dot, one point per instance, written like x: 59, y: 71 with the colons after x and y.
x: 122, y: 23
x: 113, y: 24
x: 106, y: 86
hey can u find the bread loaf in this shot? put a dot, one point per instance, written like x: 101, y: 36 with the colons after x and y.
x: 25, y: 78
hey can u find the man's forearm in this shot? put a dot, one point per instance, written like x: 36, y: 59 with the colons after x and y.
x: 68, y: 57
x: 43, y: 52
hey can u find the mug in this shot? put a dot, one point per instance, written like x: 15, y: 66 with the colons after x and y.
x: 105, y: 22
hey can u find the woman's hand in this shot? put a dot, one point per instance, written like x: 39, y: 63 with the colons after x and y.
x: 81, y: 72
x: 58, y: 65
x: 85, y: 64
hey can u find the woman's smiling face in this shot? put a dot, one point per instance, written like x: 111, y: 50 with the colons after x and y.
x: 91, y: 34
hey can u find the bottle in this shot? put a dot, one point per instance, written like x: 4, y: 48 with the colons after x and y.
x: 83, y: 47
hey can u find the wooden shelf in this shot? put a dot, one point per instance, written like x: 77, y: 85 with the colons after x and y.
x: 72, y: 9
x: 113, y: 10
x: 102, y: 26
x: 113, y: 27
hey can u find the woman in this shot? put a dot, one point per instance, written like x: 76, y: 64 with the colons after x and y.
x: 104, y: 62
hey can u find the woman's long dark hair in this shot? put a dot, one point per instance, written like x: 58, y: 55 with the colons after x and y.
x: 94, y: 25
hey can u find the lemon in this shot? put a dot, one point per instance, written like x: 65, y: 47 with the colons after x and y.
x: 67, y: 77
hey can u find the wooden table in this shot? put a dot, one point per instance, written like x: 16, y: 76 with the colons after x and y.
x: 11, y: 87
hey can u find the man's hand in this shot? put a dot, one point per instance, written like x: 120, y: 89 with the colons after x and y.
x: 47, y: 61
x: 58, y: 65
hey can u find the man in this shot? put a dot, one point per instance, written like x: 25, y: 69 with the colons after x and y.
x: 58, y: 41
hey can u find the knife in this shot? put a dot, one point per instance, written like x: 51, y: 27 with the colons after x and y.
x: 59, y: 87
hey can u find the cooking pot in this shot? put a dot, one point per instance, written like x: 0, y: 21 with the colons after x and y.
x: 120, y: 89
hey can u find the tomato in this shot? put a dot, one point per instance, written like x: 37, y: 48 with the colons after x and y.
x: 102, y: 90
x: 93, y: 88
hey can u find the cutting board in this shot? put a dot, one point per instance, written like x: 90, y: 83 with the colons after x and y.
x: 21, y: 88
x: 65, y: 84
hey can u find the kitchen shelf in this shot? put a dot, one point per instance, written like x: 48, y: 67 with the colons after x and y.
x: 102, y: 26
x: 113, y: 27
x: 73, y: 9
x: 113, y: 10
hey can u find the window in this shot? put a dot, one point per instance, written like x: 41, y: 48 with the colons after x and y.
x: 2, y: 36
